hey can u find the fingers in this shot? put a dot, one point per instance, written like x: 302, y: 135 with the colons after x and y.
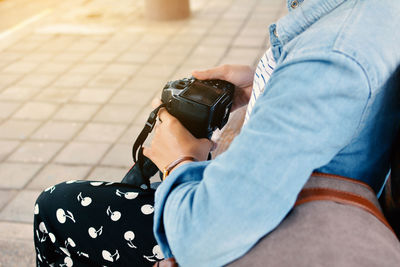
x: 164, y: 115
x: 220, y: 72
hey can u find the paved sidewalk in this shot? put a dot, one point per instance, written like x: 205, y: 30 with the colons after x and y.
x: 76, y: 82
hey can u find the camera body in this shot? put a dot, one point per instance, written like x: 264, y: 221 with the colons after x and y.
x: 201, y: 106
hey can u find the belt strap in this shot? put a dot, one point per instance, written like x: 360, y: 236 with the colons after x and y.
x: 328, y: 194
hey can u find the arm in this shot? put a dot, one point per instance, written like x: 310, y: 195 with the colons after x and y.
x: 213, y: 212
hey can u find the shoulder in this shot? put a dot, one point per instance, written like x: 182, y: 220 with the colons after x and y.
x: 364, y: 31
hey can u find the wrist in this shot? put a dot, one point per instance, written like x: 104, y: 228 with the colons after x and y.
x: 176, y: 163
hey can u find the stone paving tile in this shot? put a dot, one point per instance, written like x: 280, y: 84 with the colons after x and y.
x: 20, y: 67
x: 39, y: 56
x: 16, y: 231
x: 20, y: 209
x: 116, y: 114
x: 23, y: 46
x: 17, y: 129
x: 108, y: 174
x: 72, y: 80
x: 162, y: 71
x: 120, y: 155
x: 167, y: 58
x: 16, y: 244
x: 101, y: 132
x: 35, y: 111
x: 242, y: 56
x: 216, y: 40
x: 82, y: 46
x: 82, y: 153
x: 56, y: 173
x: 8, y: 79
x: 5, y: 196
x: 108, y: 81
x: 38, y: 152
x: 53, y: 67
x: 76, y: 112
x: 133, y: 97
x: 18, y: 93
x: 70, y: 57
x: 10, y: 56
x: 132, y: 133
x: 139, y: 83
x: 36, y: 80
x: 97, y: 57
x: 87, y: 68
x: 134, y: 57
x: 7, y: 147
x: 17, y: 175
x: 249, y: 41
x: 8, y: 108
x: 57, y: 131
x: 56, y: 95
x: 93, y: 95
x: 121, y: 69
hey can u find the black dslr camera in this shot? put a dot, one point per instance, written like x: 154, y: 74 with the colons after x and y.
x: 201, y: 106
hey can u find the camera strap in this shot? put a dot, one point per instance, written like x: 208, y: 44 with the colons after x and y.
x: 137, y: 149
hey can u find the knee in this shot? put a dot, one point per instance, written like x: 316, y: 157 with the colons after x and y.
x: 47, y: 199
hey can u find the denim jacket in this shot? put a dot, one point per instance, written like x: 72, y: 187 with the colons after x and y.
x: 325, y: 108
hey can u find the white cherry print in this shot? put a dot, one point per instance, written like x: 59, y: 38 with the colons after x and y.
x: 67, y: 262
x: 110, y: 257
x: 36, y: 209
x: 62, y: 216
x: 66, y: 251
x: 127, y: 195
x: 85, y: 201
x: 38, y: 255
x: 157, y: 254
x: 70, y: 181
x: 42, y: 227
x: 129, y: 236
x: 41, y: 239
x: 147, y: 209
x: 70, y: 242
x: 52, y: 237
x: 114, y: 215
x: 96, y: 183
x: 82, y: 254
x: 95, y: 233
x: 109, y: 183
x: 51, y: 189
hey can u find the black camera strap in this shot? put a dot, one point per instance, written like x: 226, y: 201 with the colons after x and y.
x: 143, y: 169
x: 137, y: 149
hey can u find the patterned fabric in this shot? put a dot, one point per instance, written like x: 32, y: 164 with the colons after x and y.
x: 263, y: 72
x: 91, y: 223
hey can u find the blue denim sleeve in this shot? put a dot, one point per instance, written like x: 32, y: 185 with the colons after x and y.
x: 210, y: 213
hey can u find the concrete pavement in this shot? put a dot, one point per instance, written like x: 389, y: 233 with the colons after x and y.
x: 76, y: 81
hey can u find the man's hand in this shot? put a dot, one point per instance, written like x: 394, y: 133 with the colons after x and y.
x: 240, y: 75
x: 172, y: 140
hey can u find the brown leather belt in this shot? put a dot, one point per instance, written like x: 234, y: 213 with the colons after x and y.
x: 320, y: 193
x: 343, y: 197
